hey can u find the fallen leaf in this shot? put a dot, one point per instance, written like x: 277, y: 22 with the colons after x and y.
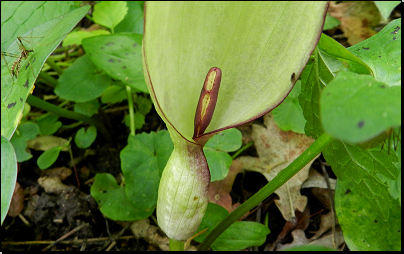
x: 276, y: 150
x: 143, y: 230
x: 17, y: 201
x: 357, y: 19
x: 327, y: 221
x: 46, y: 142
x: 316, y: 180
x: 219, y: 191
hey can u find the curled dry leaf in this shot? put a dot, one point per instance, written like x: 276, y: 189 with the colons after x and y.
x: 357, y: 19
x: 17, y: 201
x: 143, y: 230
x: 276, y: 150
x: 219, y: 191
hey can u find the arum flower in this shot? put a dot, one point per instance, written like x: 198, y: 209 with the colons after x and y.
x: 210, y: 66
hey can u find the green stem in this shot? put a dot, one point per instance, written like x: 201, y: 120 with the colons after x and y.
x: 131, y: 110
x: 241, y: 150
x: 176, y: 245
x: 37, y: 102
x: 54, y: 66
x: 49, y: 80
x: 282, y: 177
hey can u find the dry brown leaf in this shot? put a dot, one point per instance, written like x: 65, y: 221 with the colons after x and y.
x: 143, y: 230
x: 357, y: 19
x: 46, y: 142
x: 219, y: 191
x: 17, y: 201
x: 316, y: 180
x: 327, y: 221
x: 276, y: 150
x: 299, y: 239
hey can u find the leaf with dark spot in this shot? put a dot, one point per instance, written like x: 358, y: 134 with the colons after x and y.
x: 361, y: 124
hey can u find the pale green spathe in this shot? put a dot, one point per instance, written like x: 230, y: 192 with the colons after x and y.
x: 257, y: 45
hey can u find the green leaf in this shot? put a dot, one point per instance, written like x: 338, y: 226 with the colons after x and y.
x: 49, y: 124
x: 133, y: 21
x: 42, y: 39
x: 330, y: 22
x: 82, y: 81
x: 47, y: 158
x: 382, y: 53
x: 114, y: 94
x: 143, y: 160
x: 216, y: 149
x: 219, y: 163
x: 84, y: 138
x: 356, y: 108
x: 113, y: 201
x: 144, y: 105
x: 88, y: 108
x: 288, y: 115
x: 367, y: 171
x: 258, y: 48
x: 227, y: 140
x: 386, y: 7
x: 253, y: 233
x: 26, y: 131
x: 109, y: 13
x: 8, y: 175
x: 364, y: 229
x: 119, y: 55
x: 139, y: 120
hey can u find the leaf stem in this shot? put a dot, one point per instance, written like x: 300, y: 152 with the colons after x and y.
x: 37, y: 102
x: 176, y: 245
x: 131, y: 111
x: 282, y: 177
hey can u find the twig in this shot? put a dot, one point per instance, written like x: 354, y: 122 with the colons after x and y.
x: 65, y: 236
x: 327, y: 180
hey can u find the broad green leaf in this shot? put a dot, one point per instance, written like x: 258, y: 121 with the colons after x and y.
x: 356, y: 108
x: 8, y: 175
x: 109, y: 13
x: 289, y: 115
x: 26, y: 131
x: 84, y: 138
x: 261, y: 48
x: 386, y: 7
x: 49, y: 124
x: 219, y: 163
x: 382, y: 53
x: 142, y: 162
x: 364, y: 229
x: 330, y: 22
x: 238, y: 236
x: 119, y: 56
x: 133, y: 21
x: 227, y: 140
x: 330, y: 57
x: 82, y: 81
x: 367, y: 171
x: 216, y: 149
x: 88, y: 108
x: 114, y: 94
x: 113, y: 201
x: 42, y: 39
x: 19, y: 17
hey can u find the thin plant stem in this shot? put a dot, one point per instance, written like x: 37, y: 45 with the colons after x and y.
x: 131, y: 110
x: 37, y: 102
x: 282, y: 177
x: 241, y: 150
x: 176, y: 245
